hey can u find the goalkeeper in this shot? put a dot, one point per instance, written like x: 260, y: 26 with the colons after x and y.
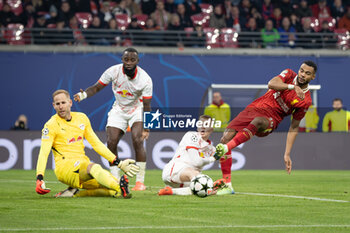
x: 64, y: 133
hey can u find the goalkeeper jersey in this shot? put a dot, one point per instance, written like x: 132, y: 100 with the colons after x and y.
x: 65, y: 138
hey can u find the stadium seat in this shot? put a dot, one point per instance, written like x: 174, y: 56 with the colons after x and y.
x: 343, y: 37
x: 15, y: 34
x: 332, y: 22
x: 206, y: 8
x: 315, y: 23
x: 16, y: 6
x: 228, y: 38
x: 200, y: 19
x: 123, y: 21
x: 141, y: 19
x: 84, y: 19
x: 212, y: 37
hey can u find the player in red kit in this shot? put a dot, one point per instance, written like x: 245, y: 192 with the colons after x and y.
x: 288, y: 94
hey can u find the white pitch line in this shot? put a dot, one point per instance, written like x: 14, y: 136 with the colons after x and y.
x: 171, y: 227
x: 241, y: 193
x: 292, y: 196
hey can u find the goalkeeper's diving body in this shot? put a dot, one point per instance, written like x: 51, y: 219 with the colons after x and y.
x: 64, y: 134
x: 193, y: 153
x: 288, y: 94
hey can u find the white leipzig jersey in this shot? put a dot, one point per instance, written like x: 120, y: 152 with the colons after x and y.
x: 129, y: 93
x: 193, y: 140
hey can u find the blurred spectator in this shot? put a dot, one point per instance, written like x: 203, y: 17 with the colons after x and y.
x: 307, y: 39
x: 41, y: 5
x: 81, y: 6
x: 227, y: 9
x: 152, y: 36
x: 328, y: 38
x: 287, y: 34
x: 244, y: 9
x: 40, y: 34
x: 134, y: 35
x: 295, y: 22
x: 27, y: 17
x: 114, y: 35
x: 303, y: 9
x: 197, y: 38
x: 105, y: 13
x: 277, y: 17
x: 267, y: 9
x: 192, y: 7
x: 185, y: 19
x: 344, y: 21
x: 321, y: 10
x: 337, y: 120
x: 62, y: 34
x: 21, y: 123
x: 148, y: 6
x: 53, y: 15
x: 160, y: 16
x: 252, y: 39
x: 337, y: 9
x: 121, y: 9
x: 258, y: 17
x: 170, y: 6
x: 269, y: 35
x: 217, y: 19
x: 219, y: 110
x: 235, y: 20
x: 65, y: 13
x: 174, y: 39
x: 77, y: 33
x: 7, y: 16
x: 310, y: 122
x: 92, y: 35
x: 286, y: 7
x: 133, y: 7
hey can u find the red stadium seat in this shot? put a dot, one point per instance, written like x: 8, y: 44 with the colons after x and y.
x: 206, y: 8
x: 229, y: 38
x: 123, y: 21
x: 15, y: 34
x: 343, y: 38
x: 141, y: 19
x: 315, y: 23
x: 84, y: 19
x: 16, y: 6
x: 332, y: 22
x: 212, y: 37
x: 200, y: 19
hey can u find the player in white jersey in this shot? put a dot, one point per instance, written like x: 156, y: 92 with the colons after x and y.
x: 193, y: 153
x: 132, y: 88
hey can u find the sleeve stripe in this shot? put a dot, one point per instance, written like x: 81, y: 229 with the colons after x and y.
x: 147, y: 97
x: 192, y: 147
x: 100, y: 82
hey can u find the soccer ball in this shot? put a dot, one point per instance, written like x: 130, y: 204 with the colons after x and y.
x: 201, y: 185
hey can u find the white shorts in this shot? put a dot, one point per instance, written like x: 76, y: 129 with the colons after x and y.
x: 121, y: 120
x: 171, y: 174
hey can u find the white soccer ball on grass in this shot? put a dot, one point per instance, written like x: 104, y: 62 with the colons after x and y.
x: 201, y: 185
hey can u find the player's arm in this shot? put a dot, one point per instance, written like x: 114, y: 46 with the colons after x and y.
x: 127, y: 166
x: 197, y: 160
x: 90, y: 91
x: 292, y: 134
x: 277, y: 84
x: 45, y: 148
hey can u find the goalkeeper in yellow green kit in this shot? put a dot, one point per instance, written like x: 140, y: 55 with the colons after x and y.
x: 64, y: 134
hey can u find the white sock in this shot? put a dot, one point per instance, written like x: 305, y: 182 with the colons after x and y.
x: 140, y: 177
x: 115, y: 171
x: 182, y: 191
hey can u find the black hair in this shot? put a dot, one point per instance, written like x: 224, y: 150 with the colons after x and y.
x: 337, y: 99
x: 132, y: 50
x: 312, y: 64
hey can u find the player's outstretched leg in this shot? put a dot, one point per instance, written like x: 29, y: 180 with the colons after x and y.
x: 68, y: 192
x: 137, y: 140
x: 104, y: 177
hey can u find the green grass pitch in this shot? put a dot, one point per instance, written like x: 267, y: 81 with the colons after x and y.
x: 266, y: 201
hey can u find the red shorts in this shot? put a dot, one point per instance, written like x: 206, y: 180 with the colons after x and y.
x: 246, y: 116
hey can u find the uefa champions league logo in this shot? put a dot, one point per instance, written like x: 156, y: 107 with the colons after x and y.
x: 175, y: 121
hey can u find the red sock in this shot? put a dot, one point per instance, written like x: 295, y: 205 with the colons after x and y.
x: 226, y: 167
x: 242, y: 136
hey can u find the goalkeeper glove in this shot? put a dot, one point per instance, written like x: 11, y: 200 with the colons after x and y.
x: 127, y: 166
x: 40, y: 186
x: 221, y: 149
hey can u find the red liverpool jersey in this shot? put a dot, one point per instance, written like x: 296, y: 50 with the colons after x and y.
x: 278, y: 104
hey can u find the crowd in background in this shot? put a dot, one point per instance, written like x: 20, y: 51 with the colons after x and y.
x: 275, y: 22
